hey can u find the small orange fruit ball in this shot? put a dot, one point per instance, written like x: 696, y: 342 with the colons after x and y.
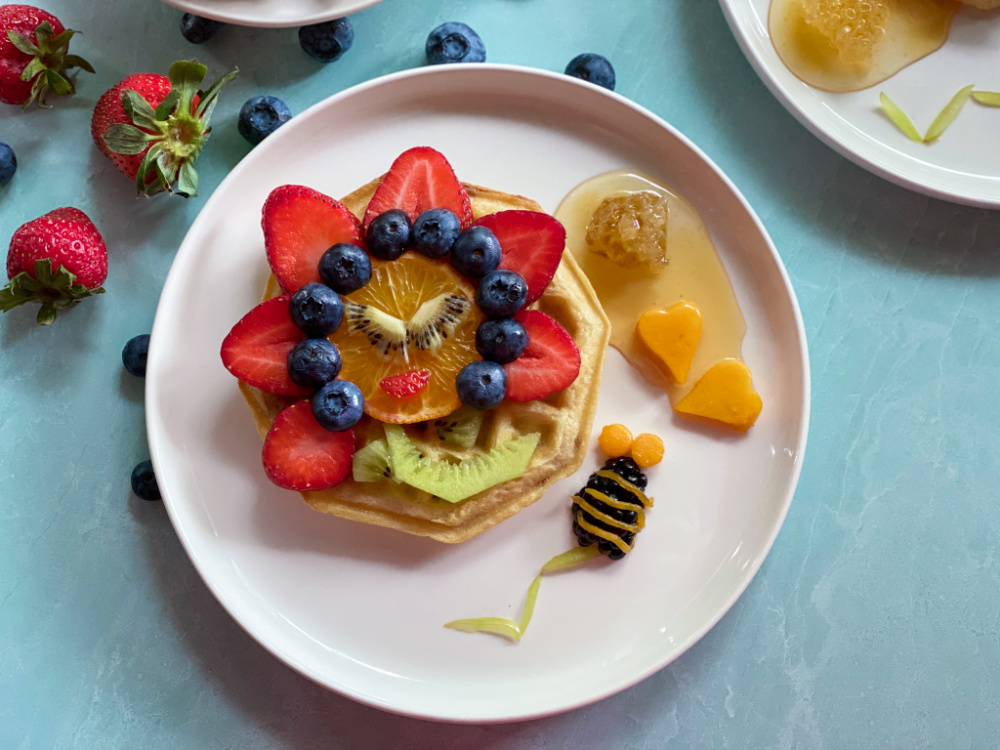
x: 647, y: 450
x: 615, y: 440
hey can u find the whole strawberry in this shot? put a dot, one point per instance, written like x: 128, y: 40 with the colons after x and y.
x: 56, y: 260
x: 153, y: 127
x: 34, y: 55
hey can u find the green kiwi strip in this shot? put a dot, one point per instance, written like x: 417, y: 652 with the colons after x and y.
x: 515, y: 630
x: 989, y: 98
x: 948, y: 114
x: 899, y: 118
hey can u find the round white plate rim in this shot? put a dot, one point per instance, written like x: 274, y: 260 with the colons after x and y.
x: 338, y: 9
x: 862, y: 157
x: 153, y: 419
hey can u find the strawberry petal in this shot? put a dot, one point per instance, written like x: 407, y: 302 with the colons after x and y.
x: 532, y: 245
x: 300, y: 455
x: 419, y: 179
x: 550, y: 363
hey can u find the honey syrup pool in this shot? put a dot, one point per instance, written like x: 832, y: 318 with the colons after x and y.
x: 693, y: 272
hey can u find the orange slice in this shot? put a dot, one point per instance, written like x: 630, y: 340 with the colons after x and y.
x: 398, y: 288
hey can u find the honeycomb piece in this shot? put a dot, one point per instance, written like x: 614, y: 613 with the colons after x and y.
x: 852, y: 26
x: 630, y: 229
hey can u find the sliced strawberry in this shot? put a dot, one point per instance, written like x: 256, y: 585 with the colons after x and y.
x: 419, y: 179
x: 300, y: 224
x: 405, y: 385
x: 300, y: 455
x: 549, y: 364
x: 256, y: 350
x: 532, y: 245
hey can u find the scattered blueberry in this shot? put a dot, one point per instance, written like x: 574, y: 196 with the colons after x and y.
x: 198, y: 30
x: 454, y: 42
x: 327, y: 41
x: 481, y: 385
x: 134, y: 355
x: 345, y: 268
x: 313, y: 363
x: 144, y: 482
x: 594, y: 68
x: 338, y: 405
x: 260, y: 116
x: 8, y: 163
x: 389, y: 234
x: 316, y: 309
x: 476, y: 252
x: 501, y: 294
x: 501, y: 341
x: 435, y: 231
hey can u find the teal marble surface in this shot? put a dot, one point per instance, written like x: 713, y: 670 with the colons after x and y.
x: 872, y: 624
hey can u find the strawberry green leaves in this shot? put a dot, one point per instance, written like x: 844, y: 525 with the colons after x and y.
x: 55, y: 291
x: 172, y: 136
x: 49, y: 61
x: 944, y: 118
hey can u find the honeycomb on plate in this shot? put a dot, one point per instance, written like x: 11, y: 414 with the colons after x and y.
x: 852, y: 26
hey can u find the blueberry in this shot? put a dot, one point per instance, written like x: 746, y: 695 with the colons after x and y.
x: 198, y: 30
x: 260, y: 116
x: 435, y: 231
x: 481, y: 385
x: 338, y: 405
x: 389, y: 234
x: 476, y: 252
x: 134, y: 355
x: 594, y: 68
x: 8, y: 163
x: 313, y: 363
x: 327, y: 41
x: 345, y: 268
x: 454, y: 42
x: 501, y: 341
x: 144, y: 482
x: 316, y: 309
x: 501, y: 294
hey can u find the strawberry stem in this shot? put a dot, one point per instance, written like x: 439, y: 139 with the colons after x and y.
x: 173, y: 135
x: 54, y: 291
x: 49, y: 60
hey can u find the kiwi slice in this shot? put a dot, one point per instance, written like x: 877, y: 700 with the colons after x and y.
x: 457, y: 481
x: 435, y: 320
x: 459, y: 428
x: 385, y: 332
x: 371, y: 463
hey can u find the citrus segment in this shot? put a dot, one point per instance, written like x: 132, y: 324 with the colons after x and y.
x: 399, y: 290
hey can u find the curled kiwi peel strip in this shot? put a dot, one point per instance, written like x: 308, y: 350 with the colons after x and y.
x: 515, y: 630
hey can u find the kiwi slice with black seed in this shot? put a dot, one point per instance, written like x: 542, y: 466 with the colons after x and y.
x: 456, y: 481
x: 371, y: 463
x: 460, y: 427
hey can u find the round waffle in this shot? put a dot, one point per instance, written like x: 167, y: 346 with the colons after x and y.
x: 563, y: 419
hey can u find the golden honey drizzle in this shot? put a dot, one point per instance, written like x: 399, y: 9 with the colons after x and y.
x: 605, y: 534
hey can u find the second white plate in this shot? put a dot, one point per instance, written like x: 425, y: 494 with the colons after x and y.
x: 961, y: 166
x: 272, y: 13
x: 361, y: 609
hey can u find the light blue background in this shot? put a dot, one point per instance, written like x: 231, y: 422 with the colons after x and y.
x: 872, y: 624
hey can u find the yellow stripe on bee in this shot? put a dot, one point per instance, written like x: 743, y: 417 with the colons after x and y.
x: 647, y: 502
x: 594, y: 513
x: 603, y: 534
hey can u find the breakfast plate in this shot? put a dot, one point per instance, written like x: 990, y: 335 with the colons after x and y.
x: 959, y: 167
x: 272, y: 13
x: 360, y: 609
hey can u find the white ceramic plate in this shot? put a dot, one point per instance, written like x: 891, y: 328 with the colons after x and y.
x: 360, y: 609
x: 961, y: 166
x: 272, y: 13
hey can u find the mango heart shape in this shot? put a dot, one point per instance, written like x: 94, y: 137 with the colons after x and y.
x: 724, y: 394
x: 671, y: 336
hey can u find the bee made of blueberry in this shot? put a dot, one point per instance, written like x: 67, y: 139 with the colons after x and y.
x: 610, y: 510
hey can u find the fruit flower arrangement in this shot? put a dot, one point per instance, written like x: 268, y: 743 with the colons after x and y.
x: 426, y: 356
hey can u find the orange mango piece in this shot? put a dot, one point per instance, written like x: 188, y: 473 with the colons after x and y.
x: 671, y: 336
x: 724, y: 394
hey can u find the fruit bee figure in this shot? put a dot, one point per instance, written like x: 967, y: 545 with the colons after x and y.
x: 610, y: 510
